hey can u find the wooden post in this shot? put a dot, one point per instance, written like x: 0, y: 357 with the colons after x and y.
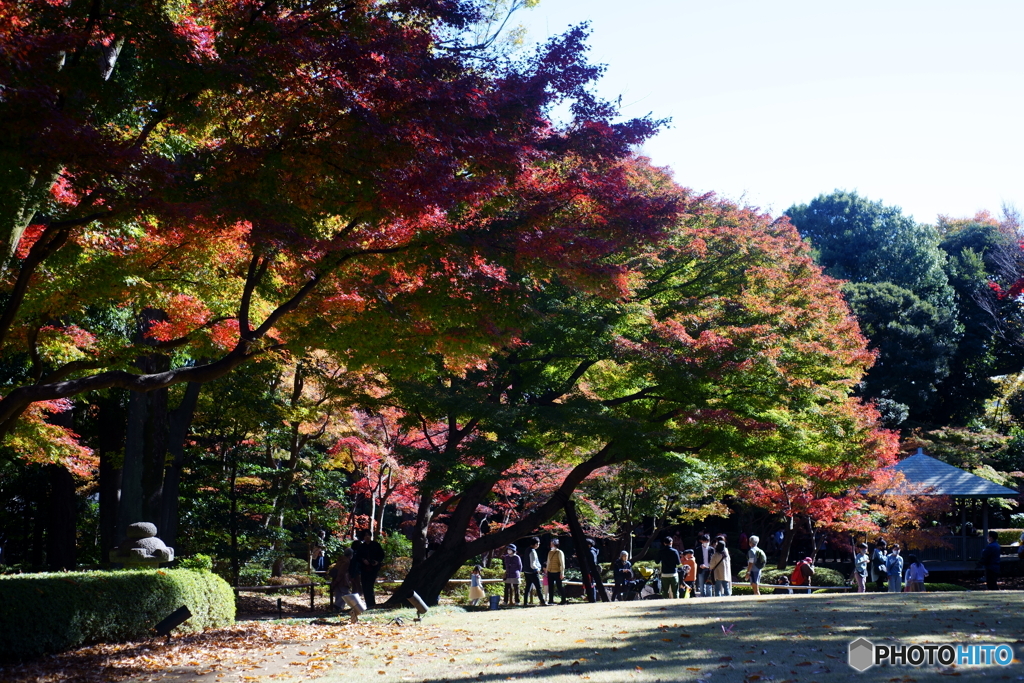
x: 312, y: 592
x: 962, y: 555
x: 984, y: 519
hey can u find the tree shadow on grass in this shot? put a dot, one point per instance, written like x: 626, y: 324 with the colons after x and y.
x: 774, y: 637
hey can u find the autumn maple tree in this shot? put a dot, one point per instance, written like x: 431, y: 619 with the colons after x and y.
x: 186, y: 187
x: 223, y: 164
x: 720, y: 341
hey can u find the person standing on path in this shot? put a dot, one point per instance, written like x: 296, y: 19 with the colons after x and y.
x: 687, y: 574
x: 721, y: 570
x: 513, y: 569
x: 669, y: 570
x: 894, y: 569
x: 990, y: 561
x: 592, y: 549
x: 532, y: 574
x: 756, y: 560
x: 704, y: 554
x: 369, y: 558
x: 915, y: 576
x: 623, y: 574
x: 878, y: 574
x: 318, y: 563
x: 556, y: 572
x: 860, y: 567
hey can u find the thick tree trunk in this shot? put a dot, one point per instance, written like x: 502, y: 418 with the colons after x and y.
x: 129, y: 510
x: 588, y: 568
x: 62, y: 520
x: 38, y: 528
x: 233, y: 491
x: 111, y: 452
x: 424, y: 514
x: 429, y: 577
x: 787, y: 544
x: 177, y: 430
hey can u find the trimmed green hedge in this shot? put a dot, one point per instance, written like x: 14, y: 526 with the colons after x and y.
x: 823, y: 576
x: 41, y: 613
x: 1008, y: 536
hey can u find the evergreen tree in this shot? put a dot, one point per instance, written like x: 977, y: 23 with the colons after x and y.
x: 911, y: 322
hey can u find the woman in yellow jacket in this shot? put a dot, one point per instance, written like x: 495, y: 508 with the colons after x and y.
x: 556, y: 572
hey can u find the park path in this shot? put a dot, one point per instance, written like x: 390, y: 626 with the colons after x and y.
x: 726, y: 640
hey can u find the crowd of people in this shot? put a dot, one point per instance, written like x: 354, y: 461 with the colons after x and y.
x: 705, y: 571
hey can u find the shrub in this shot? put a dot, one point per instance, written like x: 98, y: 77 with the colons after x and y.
x: 253, y: 575
x: 396, y: 569
x: 495, y: 572
x: 42, y: 613
x: 295, y: 565
x: 943, y: 587
x: 822, y: 576
x: 288, y: 580
x: 198, y: 562
x: 1008, y: 536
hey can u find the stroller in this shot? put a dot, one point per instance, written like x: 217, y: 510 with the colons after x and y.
x: 637, y: 588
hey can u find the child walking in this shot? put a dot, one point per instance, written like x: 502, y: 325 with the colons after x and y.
x: 688, y: 574
x: 476, y: 586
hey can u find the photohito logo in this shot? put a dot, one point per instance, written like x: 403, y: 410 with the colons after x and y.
x: 863, y: 654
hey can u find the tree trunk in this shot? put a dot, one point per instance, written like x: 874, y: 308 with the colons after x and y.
x: 62, y: 520
x: 588, y: 568
x: 233, y: 492
x: 111, y: 424
x: 38, y: 528
x: 430, y: 576
x: 424, y: 513
x: 177, y: 430
x: 658, y: 530
x: 129, y: 509
x: 787, y: 544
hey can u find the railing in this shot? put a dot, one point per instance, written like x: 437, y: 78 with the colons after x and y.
x: 270, y: 589
x: 959, y: 549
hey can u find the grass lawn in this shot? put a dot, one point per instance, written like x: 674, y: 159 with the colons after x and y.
x: 723, y: 640
x: 771, y: 638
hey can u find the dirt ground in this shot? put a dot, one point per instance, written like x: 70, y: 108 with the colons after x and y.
x: 727, y: 640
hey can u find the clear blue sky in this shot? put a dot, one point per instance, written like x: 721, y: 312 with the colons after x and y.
x: 918, y: 104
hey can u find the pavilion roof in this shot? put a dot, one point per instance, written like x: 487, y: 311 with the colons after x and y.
x: 935, y: 478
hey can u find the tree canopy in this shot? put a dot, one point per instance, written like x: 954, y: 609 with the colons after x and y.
x: 866, y: 244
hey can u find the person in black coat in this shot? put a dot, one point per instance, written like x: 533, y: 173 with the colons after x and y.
x: 990, y: 561
x: 367, y: 560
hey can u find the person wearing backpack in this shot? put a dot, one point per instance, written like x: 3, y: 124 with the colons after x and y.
x: 756, y: 560
x: 802, y: 573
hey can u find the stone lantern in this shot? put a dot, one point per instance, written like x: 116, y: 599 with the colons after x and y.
x: 142, y: 548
